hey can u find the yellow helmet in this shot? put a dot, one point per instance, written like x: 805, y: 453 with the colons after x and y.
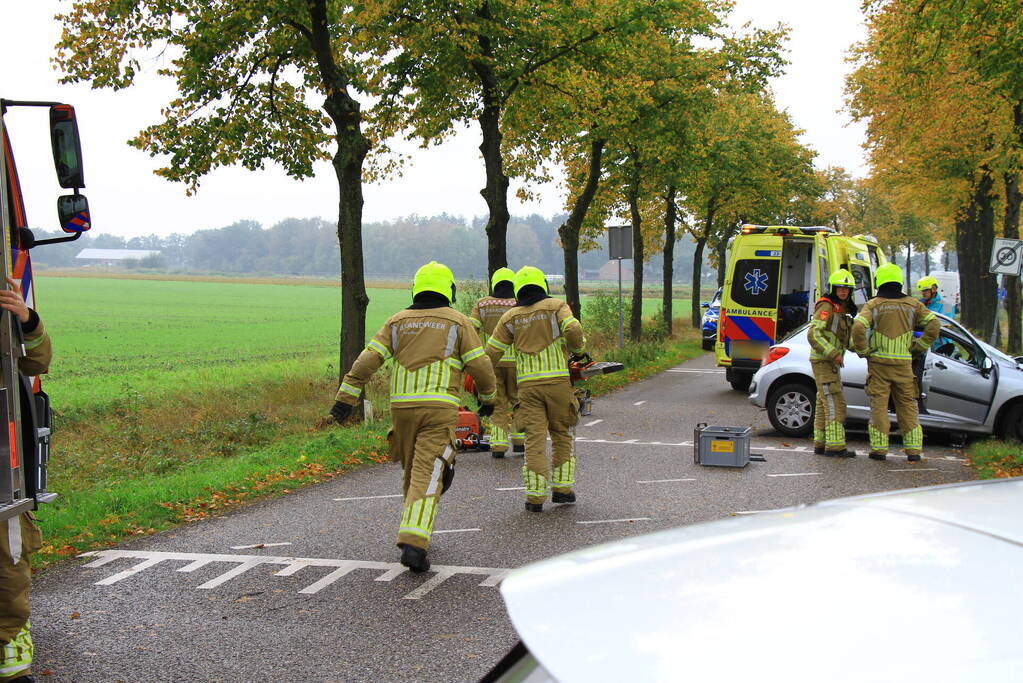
x: 888, y: 272
x: 842, y: 278
x: 528, y: 275
x: 434, y: 277
x: 926, y: 282
x: 502, y: 275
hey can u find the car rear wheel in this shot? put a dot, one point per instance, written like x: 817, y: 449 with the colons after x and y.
x: 740, y: 381
x: 1012, y: 425
x: 790, y: 409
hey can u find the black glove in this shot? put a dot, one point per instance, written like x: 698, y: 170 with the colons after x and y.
x: 581, y: 358
x: 486, y: 410
x: 341, y: 411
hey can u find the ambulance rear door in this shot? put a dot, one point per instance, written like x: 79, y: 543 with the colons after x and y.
x: 749, y: 306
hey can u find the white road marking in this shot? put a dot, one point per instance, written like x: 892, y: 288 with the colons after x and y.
x: 917, y: 469
x: 751, y: 512
x: 639, y: 403
x: 612, y: 521
x: 258, y: 545
x: 661, y: 481
x: 512, y: 488
x: 454, y: 531
x: 698, y: 372
x: 796, y: 474
x: 292, y: 565
x: 393, y: 495
x: 754, y: 447
x: 594, y: 422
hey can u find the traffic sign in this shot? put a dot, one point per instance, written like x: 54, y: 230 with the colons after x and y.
x: 1006, y: 256
x: 619, y: 241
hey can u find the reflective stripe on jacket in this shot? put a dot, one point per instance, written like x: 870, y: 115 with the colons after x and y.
x: 891, y: 323
x: 538, y: 337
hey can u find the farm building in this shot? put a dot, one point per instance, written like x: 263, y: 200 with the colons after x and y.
x: 111, y: 257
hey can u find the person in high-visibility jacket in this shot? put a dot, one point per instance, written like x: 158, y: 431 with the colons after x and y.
x: 829, y: 338
x: 20, y: 536
x: 429, y: 344
x: 890, y: 319
x: 929, y: 295
x: 484, y: 315
x: 540, y: 333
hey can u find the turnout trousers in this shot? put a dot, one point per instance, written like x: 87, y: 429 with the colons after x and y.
x: 886, y: 380
x: 423, y: 441
x: 19, y: 538
x: 503, y: 431
x: 548, y: 408
x: 829, y: 418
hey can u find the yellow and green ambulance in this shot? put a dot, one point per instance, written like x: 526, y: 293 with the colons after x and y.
x: 774, y: 276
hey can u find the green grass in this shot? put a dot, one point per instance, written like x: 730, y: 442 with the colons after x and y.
x: 992, y: 458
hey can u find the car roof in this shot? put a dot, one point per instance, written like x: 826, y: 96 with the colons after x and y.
x: 912, y: 585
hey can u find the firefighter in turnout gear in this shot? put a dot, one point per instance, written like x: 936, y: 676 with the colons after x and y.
x: 890, y: 318
x: 539, y: 333
x: 19, y: 536
x: 429, y: 344
x: 484, y: 316
x: 829, y: 337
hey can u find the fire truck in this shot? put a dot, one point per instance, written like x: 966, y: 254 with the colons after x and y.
x: 24, y: 406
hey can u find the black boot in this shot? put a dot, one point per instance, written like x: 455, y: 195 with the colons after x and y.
x: 913, y: 457
x: 22, y: 679
x: 414, y: 558
x: 818, y: 450
x: 878, y: 456
x: 558, y: 497
x: 518, y: 449
x: 844, y: 453
x: 496, y: 454
x: 534, y: 507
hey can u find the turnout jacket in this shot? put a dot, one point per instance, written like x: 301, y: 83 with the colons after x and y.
x: 537, y: 337
x: 430, y: 348
x: 830, y: 329
x: 485, y: 316
x: 891, y: 322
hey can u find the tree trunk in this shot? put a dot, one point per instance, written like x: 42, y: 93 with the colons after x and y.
x: 352, y: 147
x: 636, y: 320
x: 668, y: 252
x: 945, y: 255
x: 909, y: 268
x: 569, y: 230
x: 974, y: 236
x: 697, y: 317
x: 496, y: 191
x: 1013, y: 293
x: 927, y: 261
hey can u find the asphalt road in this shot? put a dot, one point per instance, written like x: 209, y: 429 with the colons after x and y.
x: 325, y: 600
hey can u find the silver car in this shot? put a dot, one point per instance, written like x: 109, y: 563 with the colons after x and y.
x: 967, y: 386
x: 901, y: 586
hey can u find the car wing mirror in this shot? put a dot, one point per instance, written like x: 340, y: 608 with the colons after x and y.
x: 986, y: 366
x: 74, y: 217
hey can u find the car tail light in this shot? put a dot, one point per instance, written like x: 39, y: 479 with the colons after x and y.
x: 774, y: 353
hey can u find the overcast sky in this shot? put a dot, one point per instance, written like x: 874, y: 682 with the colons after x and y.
x: 127, y: 199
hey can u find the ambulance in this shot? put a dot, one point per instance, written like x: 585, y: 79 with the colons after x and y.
x: 774, y: 276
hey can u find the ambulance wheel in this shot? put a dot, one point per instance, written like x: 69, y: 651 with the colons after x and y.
x: 790, y: 409
x: 740, y: 381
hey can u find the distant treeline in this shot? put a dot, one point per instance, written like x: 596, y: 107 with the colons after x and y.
x: 309, y: 246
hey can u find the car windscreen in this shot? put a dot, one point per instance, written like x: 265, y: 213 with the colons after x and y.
x: 799, y: 331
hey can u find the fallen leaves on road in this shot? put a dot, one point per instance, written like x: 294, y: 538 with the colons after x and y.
x: 76, y: 615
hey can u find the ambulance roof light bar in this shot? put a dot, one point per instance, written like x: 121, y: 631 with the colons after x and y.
x: 786, y: 230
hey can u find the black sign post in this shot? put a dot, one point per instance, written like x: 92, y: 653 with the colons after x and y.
x: 619, y: 242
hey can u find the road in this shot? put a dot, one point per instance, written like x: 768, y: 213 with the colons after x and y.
x: 325, y: 600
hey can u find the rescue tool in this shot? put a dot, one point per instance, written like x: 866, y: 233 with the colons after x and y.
x: 723, y: 446
x: 24, y: 406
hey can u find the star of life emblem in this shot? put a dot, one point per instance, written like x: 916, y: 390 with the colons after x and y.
x: 755, y: 282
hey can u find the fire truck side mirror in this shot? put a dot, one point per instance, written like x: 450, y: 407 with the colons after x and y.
x: 73, y: 213
x: 67, y: 147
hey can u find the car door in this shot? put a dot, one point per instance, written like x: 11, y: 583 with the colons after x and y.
x: 955, y: 387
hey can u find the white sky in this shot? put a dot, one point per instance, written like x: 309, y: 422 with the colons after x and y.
x: 127, y: 199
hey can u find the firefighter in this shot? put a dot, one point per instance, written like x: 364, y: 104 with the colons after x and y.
x: 829, y: 337
x: 429, y: 344
x: 20, y: 537
x: 540, y: 332
x: 484, y: 316
x: 890, y: 318
x: 929, y: 295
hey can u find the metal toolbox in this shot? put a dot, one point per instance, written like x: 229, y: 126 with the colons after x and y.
x: 721, y: 446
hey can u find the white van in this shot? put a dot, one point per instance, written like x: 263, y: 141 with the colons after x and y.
x: 948, y: 288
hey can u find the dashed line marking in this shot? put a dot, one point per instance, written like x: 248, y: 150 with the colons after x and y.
x: 796, y: 474
x: 511, y: 488
x: 756, y: 447
x: 594, y: 422
x: 257, y: 545
x: 491, y: 576
x: 393, y: 495
x: 918, y: 469
x: 697, y: 372
x: 639, y: 403
x: 613, y: 521
x: 751, y: 512
x: 661, y: 481
x: 454, y: 531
